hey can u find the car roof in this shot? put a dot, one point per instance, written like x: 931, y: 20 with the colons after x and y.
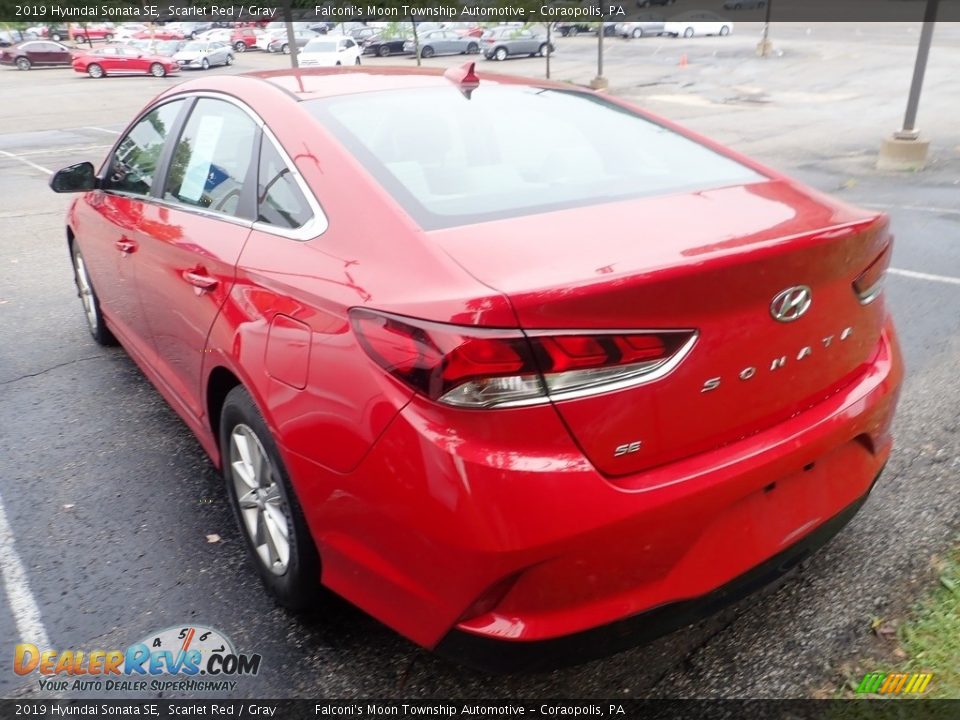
x: 313, y: 83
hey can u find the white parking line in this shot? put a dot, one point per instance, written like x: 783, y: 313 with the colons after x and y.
x: 103, y: 130
x: 26, y: 614
x: 925, y: 276
x: 921, y: 208
x: 41, y: 168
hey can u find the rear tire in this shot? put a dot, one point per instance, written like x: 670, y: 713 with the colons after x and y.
x: 501, y: 54
x: 108, y: 37
x: 91, y: 303
x: 79, y: 38
x: 724, y: 31
x: 427, y: 52
x: 637, y: 33
x: 95, y: 71
x: 688, y: 33
x: 357, y: 61
x: 291, y: 573
x: 56, y: 37
x: 229, y: 60
x: 23, y: 63
x: 473, y: 49
x: 285, y: 49
x: 205, y: 65
x: 240, y: 46
x: 542, y: 50
x: 383, y: 51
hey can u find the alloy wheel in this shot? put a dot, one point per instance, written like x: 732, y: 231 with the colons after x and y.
x: 263, y: 510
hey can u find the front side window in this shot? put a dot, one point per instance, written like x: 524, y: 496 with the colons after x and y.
x: 211, y: 162
x: 133, y: 164
x: 279, y: 200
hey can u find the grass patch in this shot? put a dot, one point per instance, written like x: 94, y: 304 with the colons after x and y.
x: 931, y: 635
x: 924, y: 640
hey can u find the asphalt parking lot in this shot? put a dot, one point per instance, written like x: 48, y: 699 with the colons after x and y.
x: 108, y: 500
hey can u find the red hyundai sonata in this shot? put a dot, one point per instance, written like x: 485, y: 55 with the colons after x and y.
x: 450, y: 374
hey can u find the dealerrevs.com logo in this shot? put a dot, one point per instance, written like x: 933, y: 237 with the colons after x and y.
x: 186, y: 658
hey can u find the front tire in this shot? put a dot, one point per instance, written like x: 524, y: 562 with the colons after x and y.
x: 91, y: 303
x: 357, y: 61
x: 95, y: 71
x: 158, y: 70
x: 688, y: 33
x: 229, y: 60
x: 24, y: 63
x: 473, y: 49
x: 108, y: 37
x: 427, y: 52
x: 383, y: 51
x: 542, y: 50
x: 205, y: 65
x: 724, y: 31
x: 285, y: 49
x: 265, y: 505
x: 637, y: 33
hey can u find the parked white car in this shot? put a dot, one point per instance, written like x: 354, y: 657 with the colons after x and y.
x: 697, y: 22
x: 330, y: 51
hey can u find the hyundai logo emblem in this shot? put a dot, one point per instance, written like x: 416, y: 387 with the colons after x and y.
x: 790, y: 304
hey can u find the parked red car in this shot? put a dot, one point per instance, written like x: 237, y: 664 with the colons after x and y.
x: 243, y: 38
x: 80, y: 33
x: 39, y: 53
x: 123, y: 60
x: 158, y: 33
x: 492, y: 409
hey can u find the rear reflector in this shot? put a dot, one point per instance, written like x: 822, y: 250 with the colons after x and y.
x: 869, y: 284
x: 480, y: 368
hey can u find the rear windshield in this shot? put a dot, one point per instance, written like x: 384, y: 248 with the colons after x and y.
x: 319, y: 46
x: 514, y: 150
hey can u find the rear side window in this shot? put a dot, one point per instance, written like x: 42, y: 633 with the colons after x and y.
x: 515, y: 150
x: 134, y: 162
x: 213, y: 158
x: 279, y: 200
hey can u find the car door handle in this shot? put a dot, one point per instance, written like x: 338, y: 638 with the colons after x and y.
x: 199, y: 279
x: 125, y: 246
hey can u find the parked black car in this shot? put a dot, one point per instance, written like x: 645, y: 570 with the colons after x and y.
x: 382, y: 47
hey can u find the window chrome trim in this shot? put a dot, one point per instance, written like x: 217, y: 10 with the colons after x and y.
x: 314, y: 227
x: 317, y: 224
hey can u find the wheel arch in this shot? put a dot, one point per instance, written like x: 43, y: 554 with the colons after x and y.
x: 220, y: 381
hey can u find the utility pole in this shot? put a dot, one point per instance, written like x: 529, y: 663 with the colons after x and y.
x: 291, y: 35
x: 904, y: 150
x: 600, y: 82
x: 765, y: 46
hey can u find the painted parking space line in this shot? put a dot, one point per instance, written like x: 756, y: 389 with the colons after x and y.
x: 23, y: 606
x: 920, y: 208
x: 925, y: 276
x: 100, y: 129
x: 41, y: 168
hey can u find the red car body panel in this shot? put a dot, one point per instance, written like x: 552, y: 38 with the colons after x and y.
x: 158, y: 34
x: 518, y: 524
x: 122, y: 64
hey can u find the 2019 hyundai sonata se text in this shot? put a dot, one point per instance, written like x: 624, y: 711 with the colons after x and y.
x: 448, y: 375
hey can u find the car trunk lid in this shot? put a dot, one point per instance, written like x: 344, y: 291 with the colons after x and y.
x: 711, y: 261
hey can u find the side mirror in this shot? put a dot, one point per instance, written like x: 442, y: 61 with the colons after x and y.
x: 76, y: 178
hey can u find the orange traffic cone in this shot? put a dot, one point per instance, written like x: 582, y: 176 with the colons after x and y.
x: 683, y: 60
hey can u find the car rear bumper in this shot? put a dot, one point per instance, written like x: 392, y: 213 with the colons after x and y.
x: 492, y: 654
x: 469, y: 532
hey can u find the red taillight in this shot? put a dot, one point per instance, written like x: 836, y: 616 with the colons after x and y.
x: 870, y: 282
x: 474, y: 367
